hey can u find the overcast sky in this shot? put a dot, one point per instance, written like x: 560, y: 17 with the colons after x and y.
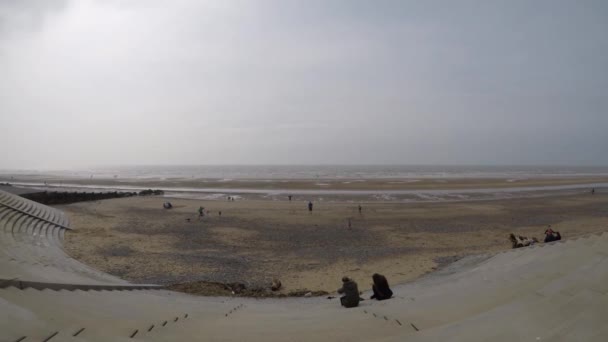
x: 93, y: 83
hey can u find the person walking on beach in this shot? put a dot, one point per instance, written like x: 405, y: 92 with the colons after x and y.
x: 289, y: 198
x: 351, y: 293
x: 201, y: 212
x: 310, y: 206
x: 360, y: 209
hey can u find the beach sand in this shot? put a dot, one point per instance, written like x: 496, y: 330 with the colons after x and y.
x: 255, y: 240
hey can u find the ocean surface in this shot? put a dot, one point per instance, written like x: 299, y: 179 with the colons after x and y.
x: 37, y: 179
x: 273, y: 172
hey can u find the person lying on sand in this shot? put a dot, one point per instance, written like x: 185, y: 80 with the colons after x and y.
x: 551, y: 235
x: 521, y: 241
x: 351, y: 293
x: 380, y: 287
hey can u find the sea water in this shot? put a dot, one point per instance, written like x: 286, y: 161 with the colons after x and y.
x: 330, y: 172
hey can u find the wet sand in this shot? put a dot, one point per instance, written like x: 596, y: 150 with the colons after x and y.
x: 256, y: 240
x: 334, y: 190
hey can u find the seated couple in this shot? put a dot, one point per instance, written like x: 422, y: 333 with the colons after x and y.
x: 351, y: 291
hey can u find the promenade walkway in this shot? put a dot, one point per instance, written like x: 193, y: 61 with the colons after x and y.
x: 549, y: 292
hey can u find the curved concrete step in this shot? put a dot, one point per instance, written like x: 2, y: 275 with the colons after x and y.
x: 33, y: 251
x: 35, y: 209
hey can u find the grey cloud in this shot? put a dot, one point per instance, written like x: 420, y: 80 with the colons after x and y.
x: 191, y: 82
x: 28, y: 15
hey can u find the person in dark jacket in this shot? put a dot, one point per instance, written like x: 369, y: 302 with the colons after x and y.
x: 351, y: 293
x: 380, y: 287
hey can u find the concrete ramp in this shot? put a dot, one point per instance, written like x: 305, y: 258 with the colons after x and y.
x: 32, y: 255
x: 551, y: 292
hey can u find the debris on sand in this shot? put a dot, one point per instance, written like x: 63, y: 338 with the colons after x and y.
x: 207, y: 288
x: 276, y: 284
x: 306, y: 293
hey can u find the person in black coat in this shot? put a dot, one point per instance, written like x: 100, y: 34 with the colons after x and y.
x: 380, y: 287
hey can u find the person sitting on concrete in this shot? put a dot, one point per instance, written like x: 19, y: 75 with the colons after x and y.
x: 351, y: 293
x: 380, y: 287
x: 521, y: 241
x: 551, y: 235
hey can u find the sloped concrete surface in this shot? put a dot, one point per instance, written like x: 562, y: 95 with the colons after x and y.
x: 32, y: 255
x: 550, y: 292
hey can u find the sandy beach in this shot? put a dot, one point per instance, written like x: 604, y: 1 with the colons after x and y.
x: 254, y: 241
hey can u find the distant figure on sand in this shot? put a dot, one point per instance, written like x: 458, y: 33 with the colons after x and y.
x: 219, y: 213
x: 310, y: 206
x: 289, y: 198
x: 349, y: 224
x: 360, y: 208
x: 380, y: 287
x: 201, y: 212
x: 593, y: 191
x: 351, y: 293
x: 551, y: 235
